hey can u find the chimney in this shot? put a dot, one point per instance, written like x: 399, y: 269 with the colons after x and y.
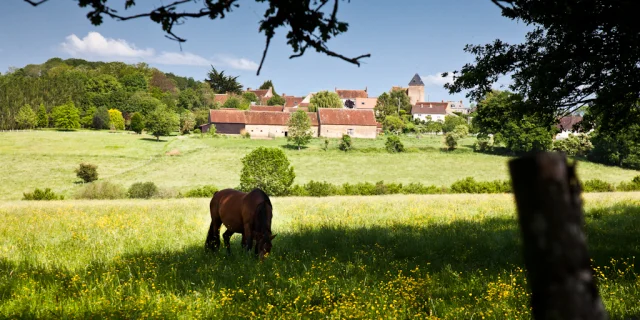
x: 365, y: 89
x: 248, y: 89
x: 442, y: 100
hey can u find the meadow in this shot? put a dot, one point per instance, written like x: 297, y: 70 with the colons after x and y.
x: 47, y: 159
x: 426, y: 257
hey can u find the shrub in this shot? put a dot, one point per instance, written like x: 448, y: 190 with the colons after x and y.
x: 320, y: 189
x: 115, y: 119
x: 137, y: 123
x: 197, y: 131
x: 574, y: 145
x: 267, y: 169
x: 101, y: 119
x: 298, y: 191
x: 245, y: 134
x: 483, y: 144
x: 202, y: 192
x: 596, y: 185
x: 470, y: 185
x: 394, y: 144
x: 326, y: 144
x: 142, y: 190
x: 634, y: 185
x: 345, y: 143
x: 213, y: 132
x: 419, y: 188
x: 451, y: 140
x: 45, y: 194
x: 100, y: 190
x: 87, y: 172
x: 166, y: 193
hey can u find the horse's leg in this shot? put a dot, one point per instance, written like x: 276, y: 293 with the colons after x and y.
x: 213, y: 236
x: 227, y: 236
x: 248, y: 237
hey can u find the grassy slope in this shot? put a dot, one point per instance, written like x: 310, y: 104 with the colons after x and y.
x: 451, y: 256
x: 48, y: 158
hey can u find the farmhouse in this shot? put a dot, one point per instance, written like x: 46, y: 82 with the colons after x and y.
x: 333, y: 123
x: 291, y: 101
x: 262, y: 94
x: 226, y: 121
x: 266, y: 123
x: 566, y: 126
x: 349, y: 97
x: 436, y: 110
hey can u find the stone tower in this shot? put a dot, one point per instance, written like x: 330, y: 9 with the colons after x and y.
x: 416, y: 90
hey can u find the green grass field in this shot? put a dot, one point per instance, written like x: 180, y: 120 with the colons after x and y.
x: 445, y: 256
x: 41, y: 159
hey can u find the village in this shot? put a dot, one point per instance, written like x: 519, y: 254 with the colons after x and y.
x: 356, y: 118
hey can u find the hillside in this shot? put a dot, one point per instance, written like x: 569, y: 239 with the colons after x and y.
x: 41, y: 159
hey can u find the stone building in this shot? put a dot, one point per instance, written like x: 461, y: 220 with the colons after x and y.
x: 333, y: 123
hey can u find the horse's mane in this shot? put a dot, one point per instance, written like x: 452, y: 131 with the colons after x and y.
x: 261, y: 209
x: 264, y: 195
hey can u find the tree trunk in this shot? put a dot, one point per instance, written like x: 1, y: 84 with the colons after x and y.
x: 547, y: 194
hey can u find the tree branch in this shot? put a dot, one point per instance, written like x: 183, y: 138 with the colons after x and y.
x: 35, y: 3
x: 264, y: 54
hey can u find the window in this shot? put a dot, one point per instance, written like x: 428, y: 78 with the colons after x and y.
x: 350, y: 132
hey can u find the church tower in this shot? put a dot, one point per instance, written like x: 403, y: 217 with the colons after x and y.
x: 416, y: 90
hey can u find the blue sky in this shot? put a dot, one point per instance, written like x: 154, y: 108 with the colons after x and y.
x: 404, y: 37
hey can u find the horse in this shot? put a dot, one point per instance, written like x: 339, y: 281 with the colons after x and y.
x: 246, y: 213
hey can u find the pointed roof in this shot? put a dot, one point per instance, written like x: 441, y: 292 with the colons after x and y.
x: 416, y: 81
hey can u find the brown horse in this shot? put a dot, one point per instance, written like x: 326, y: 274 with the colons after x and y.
x: 246, y: 213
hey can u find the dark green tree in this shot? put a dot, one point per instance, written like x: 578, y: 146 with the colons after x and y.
x: 392, y: 104
x: 222, y: 83
x: 137, y: 123
x: 43, y: 117
x: 101, y: 119
x: 268, y: 84
x: 249, y: 97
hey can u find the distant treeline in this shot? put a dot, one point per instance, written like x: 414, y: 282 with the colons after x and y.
x: 94, y: 85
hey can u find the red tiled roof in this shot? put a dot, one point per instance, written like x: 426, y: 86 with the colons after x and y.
x: 266, y: 108
x: 352, y: 94
x: 227, y: 116
x: 429, y: 108
x: 567, y: 123
x: 304, y: 105
x: 221, y: 98
x: 330, y: 116
x: 267, y: 118
x: 305, y: 109
x: 291, y: 101
x: 313, y: 116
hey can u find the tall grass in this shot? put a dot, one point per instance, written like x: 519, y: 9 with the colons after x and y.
x: 446, y: 256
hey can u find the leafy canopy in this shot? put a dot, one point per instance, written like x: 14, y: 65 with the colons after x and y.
x: 162, y: 121
x: 222, y: 83
x: 267, y: 169
x: 66, y: 116
x: 26, y: 117
x: 300, y: 132
x: 325, y: 99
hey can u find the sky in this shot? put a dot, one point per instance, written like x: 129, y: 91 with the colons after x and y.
x: 404, y: 37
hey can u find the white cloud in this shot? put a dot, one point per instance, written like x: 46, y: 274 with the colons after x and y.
x: 237, y: 63
x: 437, y: 79
x: 181, y: 58
x: 96, y: 46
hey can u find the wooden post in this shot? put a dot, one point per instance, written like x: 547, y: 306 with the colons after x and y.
x: 559, y: 271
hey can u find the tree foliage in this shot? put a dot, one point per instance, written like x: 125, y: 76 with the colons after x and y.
x: 116, y: 121
x: 267, y: 169
x: 578, y: 53
x: 393, y: 144
x: 137, y: 123
x: 101, y: 119
x: 392, y: 104
x: 325, y: 99
x: 300, y: 132
x: 345, y: 143
x: 393, y: 124
x: 162, y: 121
x: 221, y: 83
x: 26, y: 117
x: 276, y: 100
x: 187, y: 121
x: 268, y: 84
x: 451, y: 122
x: 66, y: 116
x: 311, y: 23
x: 43, y: 117
x: 87, y: 172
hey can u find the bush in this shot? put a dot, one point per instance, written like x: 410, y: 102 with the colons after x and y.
x: 419, y: 188
x: 45, y: 194
x: 634, y: 185
x: 470, y: 185
x: 596, y: 185
x: 87, y: 172
x: 326, y: 144
x: 166, y: 193
x: 298, y: 191
x: 245, y: 134
x: 483, y: 144
x: 574, y: 145
x: 116, y: 120
x: 394, y: 144
x: 213, y: 132
x: 142, y: 190
x: 197, y: 131
x: 345, y: 143
x: 101, y: 190
x: 320, y: 189
x: 137, y: 123
x: 267, y: 169
x: 451, y: 140
x: 202, y: 192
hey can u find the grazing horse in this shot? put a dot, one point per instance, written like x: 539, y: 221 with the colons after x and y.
x: 246, y: 213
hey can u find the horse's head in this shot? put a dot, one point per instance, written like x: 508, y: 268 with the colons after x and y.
x: 264, y: 246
